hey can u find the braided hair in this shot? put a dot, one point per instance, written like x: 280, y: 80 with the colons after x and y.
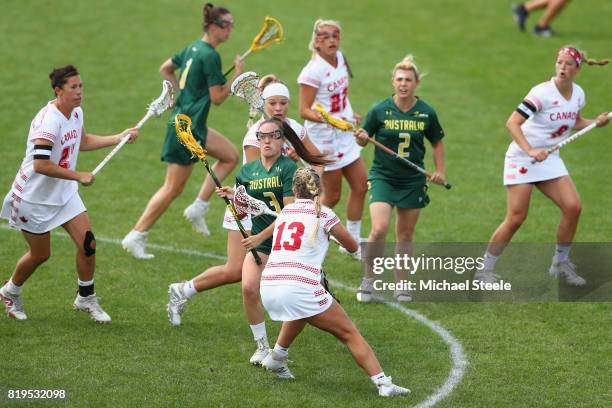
x: 307, y: 184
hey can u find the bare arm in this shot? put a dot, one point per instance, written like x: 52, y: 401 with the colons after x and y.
x: 255, y: 240
x: 167, y: 72
x: 252, y: 153
x: 344, y: 237
x: 514, y: 127
x: 307, y: 98
x: 94, y: 142
x: 438, y: 158
x: 219, y: 93
x: 601, y: 120
x: 51, y: 169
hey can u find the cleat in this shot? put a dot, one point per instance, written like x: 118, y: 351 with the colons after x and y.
x: 195, y: 215
x: 277, y: 365
x: 12, y: 303
x: 176, y: 303
x: 386, y: 388
x: 486, y: 276
x: 520, y: 15
x: 364, y: 292
x: 402, y: 295
x: 263, y: 349
x: 135, y: 243
x: 567, y: 270
x: 546, y: 32
x: 90, y: 305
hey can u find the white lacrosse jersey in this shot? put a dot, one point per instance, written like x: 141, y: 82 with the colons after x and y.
x: 332, y: 87
x: 251, y: 138
x: 296, y: 257
x: 553, y: 117
x: 65, y: 134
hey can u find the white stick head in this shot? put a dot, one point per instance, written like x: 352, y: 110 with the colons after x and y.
x: 245, y: 87
x: 164, y: 101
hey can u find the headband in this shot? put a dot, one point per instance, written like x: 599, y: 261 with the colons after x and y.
x: 574, y: 53
x: 275, y: 89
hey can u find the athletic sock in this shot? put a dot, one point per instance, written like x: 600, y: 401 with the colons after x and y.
x: 354, y: 228
x: 562, y: 252
x: 86, y: 288
x: 378, y: 378
x: 259, y: 331
x: 489, y: 261
x: 201, y: 204
x: 189, y: 289
x: 12, y: 288
x: 138, y: 234
x: 281, y: 351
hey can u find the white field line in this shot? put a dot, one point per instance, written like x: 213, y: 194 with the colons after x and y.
x: 458, y: 356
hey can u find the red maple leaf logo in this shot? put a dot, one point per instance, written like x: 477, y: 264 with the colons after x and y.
x: 23, y: 219
x: 523, y: 170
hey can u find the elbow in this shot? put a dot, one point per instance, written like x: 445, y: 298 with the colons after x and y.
x: 352, y: 246
x: 303, y: 112
x: 39, y: 166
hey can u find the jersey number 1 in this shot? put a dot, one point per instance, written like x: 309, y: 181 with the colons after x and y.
x: 184, y: 74
x: 295, y: 239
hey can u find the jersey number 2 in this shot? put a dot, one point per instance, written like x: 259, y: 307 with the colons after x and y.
x: 295, y: 239
x: 338, y: 101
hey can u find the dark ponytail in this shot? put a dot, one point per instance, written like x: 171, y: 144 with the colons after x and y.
x: 212, y: 15
x: 59, y: 76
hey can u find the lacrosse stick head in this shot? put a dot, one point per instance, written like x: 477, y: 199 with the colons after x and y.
x: 247, y: 204
x: 271, y: 33
x: 335, y: 122
x: 182, y: 123
x: 164, y: 101
x: 245, y: 87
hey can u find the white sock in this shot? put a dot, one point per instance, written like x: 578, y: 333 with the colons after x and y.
x: 354, y: 228
x: 259, y: 331
x: 12, y: 288
x: 489, y: 261
x: 562, y: 252
x: 201, y: 204
x: 281, y: 351
x: 86, y: 283
x: 378, y: 378
x: 189, y: 289
x: 139, y: 234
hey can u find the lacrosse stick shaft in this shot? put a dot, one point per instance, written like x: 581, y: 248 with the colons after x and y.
x: 120, y: 145
x: 242, y: 58
x: 571, y: 138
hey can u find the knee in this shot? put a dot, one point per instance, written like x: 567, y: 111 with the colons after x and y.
x: 515, y: 220
x: 347, y: 335
x: 250, y: 292
x: 233, y: 157
x: 360, y: 189
x: 378, y: 232
x: 573, y: 210
x: 173, y: 190
x: 331, y: 198
x: 405, y: 235
x: 41, y: 257
x: 233, y: 273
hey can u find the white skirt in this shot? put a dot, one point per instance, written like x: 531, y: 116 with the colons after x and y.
x: 39, y: 218
x: 229, y: 223
x: 519, y: 170
x: 336, y: 145
x: 292, y: 302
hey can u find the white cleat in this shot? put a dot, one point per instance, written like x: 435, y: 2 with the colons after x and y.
x: 278, y: 365
x: 90, y: 305
x: 486, y: 276
x: 386, y: 388
x: 402, y: 295
x: 176, y: 303
x: 263, y: 349
x: 136, y: 243
x: 364, y: 292
x: 567, y: 270
x: 195, y: 216
x: 13, y: 304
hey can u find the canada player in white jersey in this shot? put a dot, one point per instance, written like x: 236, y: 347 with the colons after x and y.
x: 544, y: 118
x: 291, y: 289
x: 276, y: 96
x: 44, y: 194
x: 325, y: 80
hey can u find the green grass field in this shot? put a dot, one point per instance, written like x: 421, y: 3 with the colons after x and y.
x: 479, y: 67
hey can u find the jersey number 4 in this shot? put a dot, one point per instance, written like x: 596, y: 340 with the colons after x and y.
x: 65, y: 158
x: 294, y: 241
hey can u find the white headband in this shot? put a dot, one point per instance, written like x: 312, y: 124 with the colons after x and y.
x: 275, y: 89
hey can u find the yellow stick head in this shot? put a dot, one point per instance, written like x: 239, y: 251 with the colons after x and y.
x: 182, y: 124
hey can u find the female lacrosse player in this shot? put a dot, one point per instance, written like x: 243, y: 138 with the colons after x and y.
x: 277, y: 98
x: 401, y: 122
x: 325, y: 80
x: 45, y: 194
x: 546, y: 116
x: 291, y: 289
x: 200, y: 83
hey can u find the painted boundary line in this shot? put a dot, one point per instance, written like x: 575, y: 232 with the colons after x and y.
x: 458, y: 356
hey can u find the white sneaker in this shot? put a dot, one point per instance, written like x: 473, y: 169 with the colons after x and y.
x: 135, y: 243
x: 263, y: 349
x: 486, y: 276
x: 90, y: 305
x: 13, y: 304
x: 278, y: 365
x: 402, y: 295
x: 176, y: 303
x: 386, y: 388
x: 364, y: 292
x: 567, y: 270
x: 195, y: 215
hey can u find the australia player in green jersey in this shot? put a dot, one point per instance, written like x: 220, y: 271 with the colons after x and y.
x: 200, y: 83
x: 401, y: 122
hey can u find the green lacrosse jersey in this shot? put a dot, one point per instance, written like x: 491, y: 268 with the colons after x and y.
x: 270, y: 186
x: 404, y: 133
x: 200, y: 68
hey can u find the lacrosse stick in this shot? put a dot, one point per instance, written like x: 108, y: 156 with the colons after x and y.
x: 347, y: 126
x: 251, y: 205
x: 271, y: 32
x: 156, y: 108
x: 182, y: 124
x: 572, y: 138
